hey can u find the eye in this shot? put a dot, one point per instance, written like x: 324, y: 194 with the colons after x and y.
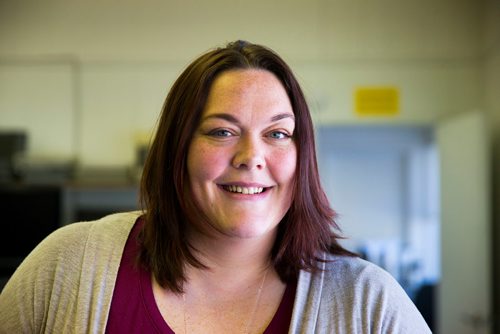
x: 220, y: 133
x: 279, y: 135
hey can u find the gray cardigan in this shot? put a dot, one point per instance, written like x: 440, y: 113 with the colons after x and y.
x: 66, y: 285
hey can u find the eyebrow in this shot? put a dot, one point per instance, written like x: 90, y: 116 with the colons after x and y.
x: 232, y: 119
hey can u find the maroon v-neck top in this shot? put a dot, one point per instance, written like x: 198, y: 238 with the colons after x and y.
x: 133, y: 307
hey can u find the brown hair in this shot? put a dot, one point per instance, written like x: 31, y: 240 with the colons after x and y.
x: 306, y: 230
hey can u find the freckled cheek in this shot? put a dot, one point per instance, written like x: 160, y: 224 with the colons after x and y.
x: 283, y: 163
x: 205, y: 163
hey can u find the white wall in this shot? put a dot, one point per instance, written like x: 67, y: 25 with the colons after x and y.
x: 124, y: 56
x: 176, y: 30
x: 39, y: 97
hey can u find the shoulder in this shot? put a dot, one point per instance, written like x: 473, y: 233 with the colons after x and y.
x: 356, y: 273
x: 363, y: 284
x: 107, y: 227
x: 350, y: 295
x: 64, y: 270
x: 66, y: 249
x: 355, y: 280
x: 102, y: 235
x: 81, y: 245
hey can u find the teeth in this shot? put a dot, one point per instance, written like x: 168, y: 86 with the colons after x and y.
x: 244, y: 190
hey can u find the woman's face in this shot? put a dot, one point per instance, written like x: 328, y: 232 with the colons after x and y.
x: 242, y: 158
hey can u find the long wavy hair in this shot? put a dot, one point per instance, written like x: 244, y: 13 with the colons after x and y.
x: 307, y: 230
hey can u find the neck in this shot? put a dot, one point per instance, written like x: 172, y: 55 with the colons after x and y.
x: 238, y: 292
x: 240, y: 259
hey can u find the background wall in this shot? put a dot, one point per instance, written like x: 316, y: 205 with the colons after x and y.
x: 87, y: 79
x: 112, y: 63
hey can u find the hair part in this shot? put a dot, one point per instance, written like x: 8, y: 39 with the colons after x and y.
x: 306, y: 231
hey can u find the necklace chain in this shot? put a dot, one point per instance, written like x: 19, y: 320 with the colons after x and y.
x: 252, y: 316
x: 257, y: 301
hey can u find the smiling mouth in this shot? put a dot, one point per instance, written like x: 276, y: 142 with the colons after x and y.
x: 244, y: 190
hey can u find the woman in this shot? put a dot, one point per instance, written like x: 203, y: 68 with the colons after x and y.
x: 236, y: 236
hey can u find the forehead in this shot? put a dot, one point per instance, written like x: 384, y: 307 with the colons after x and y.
x: 245, y: 78
x: 247, y: 88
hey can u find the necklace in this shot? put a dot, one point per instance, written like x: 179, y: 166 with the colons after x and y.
x: 252, y: 315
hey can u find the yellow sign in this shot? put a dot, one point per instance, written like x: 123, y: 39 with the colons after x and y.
x: 376, y: 101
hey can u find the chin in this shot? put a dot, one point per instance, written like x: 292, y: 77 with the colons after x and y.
x: 249, y: 231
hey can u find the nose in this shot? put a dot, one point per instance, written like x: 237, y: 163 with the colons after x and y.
x: 249, y: 154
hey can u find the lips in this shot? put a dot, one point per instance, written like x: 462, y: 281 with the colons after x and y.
x: 244, y: 190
